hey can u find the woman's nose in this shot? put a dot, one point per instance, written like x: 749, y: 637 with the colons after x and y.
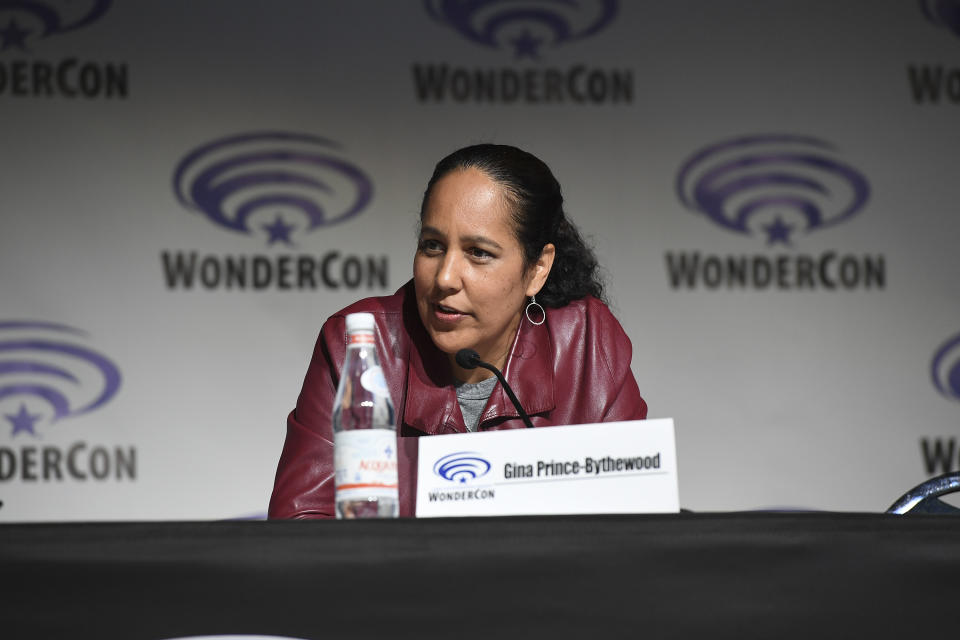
x: 448, y: 276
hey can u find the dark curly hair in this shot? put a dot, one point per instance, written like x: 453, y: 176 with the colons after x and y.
x: 538, y: 217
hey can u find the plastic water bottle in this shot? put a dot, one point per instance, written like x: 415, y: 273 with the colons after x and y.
x: 364, y: 430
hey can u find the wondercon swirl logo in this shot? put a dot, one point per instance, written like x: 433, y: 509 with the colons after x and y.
x: 776, y: 185
x: 272, y: 182
x: 47, y: 376
x: 945, y: 368
x: 461, y: 467
x: 944, y: 13
x: 21, y: 20
x: 524, y: 26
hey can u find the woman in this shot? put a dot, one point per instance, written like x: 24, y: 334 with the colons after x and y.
x: 500, y: 270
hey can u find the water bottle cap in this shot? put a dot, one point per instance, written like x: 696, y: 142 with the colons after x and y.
x: 360, y: 322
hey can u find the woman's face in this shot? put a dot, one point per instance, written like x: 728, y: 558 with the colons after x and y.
x: 469, y: 273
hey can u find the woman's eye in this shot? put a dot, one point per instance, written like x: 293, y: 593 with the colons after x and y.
x: 430, y: 246
x: 479, y: 253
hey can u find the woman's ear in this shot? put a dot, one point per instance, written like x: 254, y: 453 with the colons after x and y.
x: 541, y: 269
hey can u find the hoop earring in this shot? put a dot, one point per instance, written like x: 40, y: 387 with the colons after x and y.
x: 543, y: 313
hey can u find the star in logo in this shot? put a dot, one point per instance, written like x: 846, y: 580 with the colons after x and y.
x: 388, y: 451
x: 778, y: 231
x: 526, y: 45
x: 279, y: 231
x: 13, y: 36
x: 23, y: 421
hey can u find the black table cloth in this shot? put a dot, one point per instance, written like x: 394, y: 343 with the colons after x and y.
x: 743, y: 575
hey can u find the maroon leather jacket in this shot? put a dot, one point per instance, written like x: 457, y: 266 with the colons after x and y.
x: 573, y: 369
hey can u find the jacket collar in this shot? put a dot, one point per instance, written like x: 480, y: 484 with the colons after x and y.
x: 430, y: 400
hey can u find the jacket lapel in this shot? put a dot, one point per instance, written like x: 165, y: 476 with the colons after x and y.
x: 529, y: 372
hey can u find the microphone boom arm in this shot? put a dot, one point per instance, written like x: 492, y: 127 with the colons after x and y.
x: 506, y: 387
x: 470, y: 359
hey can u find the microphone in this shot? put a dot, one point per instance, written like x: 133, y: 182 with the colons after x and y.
x: 470, y: 359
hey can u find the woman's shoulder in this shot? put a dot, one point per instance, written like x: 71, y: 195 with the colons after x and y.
x: 392, y: 314
x: 589, y: 322
x: 587, y: 329
x: 585, y: 309
x: 378, y: 305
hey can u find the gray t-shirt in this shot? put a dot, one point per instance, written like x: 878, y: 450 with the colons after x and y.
x: 473, y: 398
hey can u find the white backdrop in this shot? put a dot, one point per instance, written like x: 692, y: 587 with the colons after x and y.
x: 838, y: 120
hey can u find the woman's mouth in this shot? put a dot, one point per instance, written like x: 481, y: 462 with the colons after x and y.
x: 447, y: 314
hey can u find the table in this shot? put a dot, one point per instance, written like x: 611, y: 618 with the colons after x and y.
x: 743, y: 575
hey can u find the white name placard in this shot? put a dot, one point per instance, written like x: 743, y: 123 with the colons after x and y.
x: 610, y: 467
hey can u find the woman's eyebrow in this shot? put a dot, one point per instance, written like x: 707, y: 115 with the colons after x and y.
x: 478, y: 239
